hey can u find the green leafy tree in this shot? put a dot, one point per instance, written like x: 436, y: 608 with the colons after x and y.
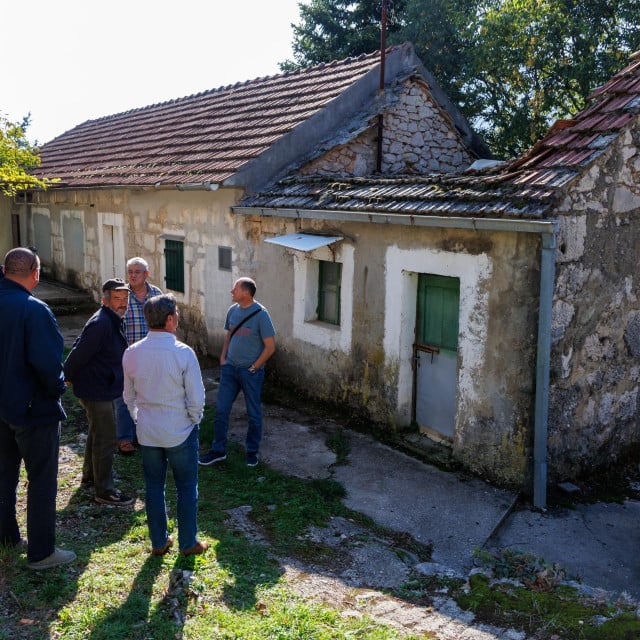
x: 512, y: 66
x: 442, y: 32
x: 337, y: 29
x: 17, y: 158
x: 534, y: 61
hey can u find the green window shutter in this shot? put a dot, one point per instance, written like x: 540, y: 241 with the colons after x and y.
x: 438, y: 310
x: 174, y: 264
x: 330, y: 276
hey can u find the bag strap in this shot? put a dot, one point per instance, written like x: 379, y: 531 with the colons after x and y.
x: 253, y: 313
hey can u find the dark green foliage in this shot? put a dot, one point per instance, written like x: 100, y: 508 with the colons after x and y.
x: 337, y: 29
x: 512, y: 66
x: 534, y: 62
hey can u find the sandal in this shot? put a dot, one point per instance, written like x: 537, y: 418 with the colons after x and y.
x: 126, y: 448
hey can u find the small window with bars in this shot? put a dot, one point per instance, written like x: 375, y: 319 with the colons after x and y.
x: 174, y: 264
x: 330, y: 275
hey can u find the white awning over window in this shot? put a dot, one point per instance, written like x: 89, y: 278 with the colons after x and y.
x: 304, y: 241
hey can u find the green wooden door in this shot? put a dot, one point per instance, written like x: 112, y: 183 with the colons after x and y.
x: 436, y: 353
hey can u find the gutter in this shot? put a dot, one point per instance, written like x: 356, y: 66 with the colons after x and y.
x: 547, y: 230
x: 196, y: 186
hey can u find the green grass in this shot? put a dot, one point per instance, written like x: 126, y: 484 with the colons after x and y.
x: 117, y: 590
x: 553, y: 613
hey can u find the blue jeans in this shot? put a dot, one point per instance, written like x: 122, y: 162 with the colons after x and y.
x: 125, y: 426
x: 184, y: 466
x: 38, y: 447
x: 232, y: 381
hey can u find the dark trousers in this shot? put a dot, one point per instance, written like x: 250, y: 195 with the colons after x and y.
x: 38, y: 447
x: 101, y: 444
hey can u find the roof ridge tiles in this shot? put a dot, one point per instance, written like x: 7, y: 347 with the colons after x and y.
x: 249, y: 82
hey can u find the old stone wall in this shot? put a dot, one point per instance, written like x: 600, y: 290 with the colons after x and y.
x: 595, y: 376
x: 418, y: 138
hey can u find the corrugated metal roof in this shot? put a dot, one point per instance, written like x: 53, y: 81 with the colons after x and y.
x: 440, y: 195
x: 578, y: 142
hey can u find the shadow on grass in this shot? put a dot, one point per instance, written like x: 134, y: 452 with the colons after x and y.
x: 30, y: 600
x: 247, y: 565
x: 136, y: 617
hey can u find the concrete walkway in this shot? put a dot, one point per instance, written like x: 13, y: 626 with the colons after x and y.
x: 54, y: 293
x: 596, y: 544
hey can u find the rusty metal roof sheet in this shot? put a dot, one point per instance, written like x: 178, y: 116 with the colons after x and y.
x: 578, y: 142
x: 439, y: 195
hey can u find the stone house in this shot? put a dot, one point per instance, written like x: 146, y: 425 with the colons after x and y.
x: 491, y: 309
x: 496, y: 309
x: 159, y: 181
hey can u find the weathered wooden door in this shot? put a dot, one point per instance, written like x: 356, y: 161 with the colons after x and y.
x: 436, y: 353
x: 108, y: 252
x: 111, y: 240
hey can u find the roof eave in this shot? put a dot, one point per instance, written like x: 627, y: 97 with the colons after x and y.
x: 450, y: 222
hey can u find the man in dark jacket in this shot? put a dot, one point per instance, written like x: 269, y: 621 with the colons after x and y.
x: 94, y: 368
x: 31, y: 383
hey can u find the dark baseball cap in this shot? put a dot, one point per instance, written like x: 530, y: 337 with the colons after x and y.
x: 114, y: 284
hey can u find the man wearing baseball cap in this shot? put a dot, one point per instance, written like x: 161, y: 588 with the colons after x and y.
x: 94, y: 368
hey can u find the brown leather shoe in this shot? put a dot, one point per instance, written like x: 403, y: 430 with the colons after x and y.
x: 163, y: 550
x: 198, y: 548
x: 126, y: 448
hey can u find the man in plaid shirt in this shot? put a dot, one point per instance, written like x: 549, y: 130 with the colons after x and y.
x: 136, y: 328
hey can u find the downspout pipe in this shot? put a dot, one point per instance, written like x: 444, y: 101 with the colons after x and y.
x: 541, y: 414
x: 548, y: 233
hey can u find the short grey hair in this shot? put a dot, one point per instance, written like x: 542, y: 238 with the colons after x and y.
x: 138, y: 260
x: 248, y: 285
x: 158, y: 308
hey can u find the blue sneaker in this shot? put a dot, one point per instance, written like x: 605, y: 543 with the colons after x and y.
x: 252, y: 459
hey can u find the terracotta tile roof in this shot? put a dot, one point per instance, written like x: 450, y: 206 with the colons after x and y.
x: 203, y: 138
x: 524, y: 188
x: 571, y: 145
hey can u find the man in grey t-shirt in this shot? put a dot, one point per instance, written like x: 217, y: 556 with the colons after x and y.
x: 248, y: 344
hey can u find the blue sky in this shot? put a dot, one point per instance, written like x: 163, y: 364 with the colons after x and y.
x: 67, y: 61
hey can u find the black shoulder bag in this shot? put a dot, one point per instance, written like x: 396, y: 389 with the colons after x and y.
x: 243, y: 321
